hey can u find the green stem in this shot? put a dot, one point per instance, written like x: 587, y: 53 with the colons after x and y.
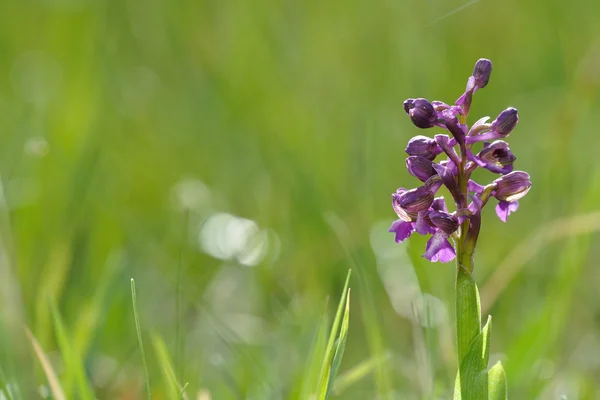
x: 468, y: 308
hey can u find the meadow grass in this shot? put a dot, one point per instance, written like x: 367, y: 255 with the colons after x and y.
x: 236, y: 158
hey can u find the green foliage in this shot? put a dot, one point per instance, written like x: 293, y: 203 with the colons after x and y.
x: 472, y: 378
x: 126, y: 124
x: 138, y: 330
x: 335, y: 345
x: 497, y: 387
x: 468, y: 312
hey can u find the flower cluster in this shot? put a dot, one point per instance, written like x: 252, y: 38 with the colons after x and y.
x: 419, y: 210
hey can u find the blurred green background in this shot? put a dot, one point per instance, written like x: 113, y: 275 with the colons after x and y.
x: 237, y: 157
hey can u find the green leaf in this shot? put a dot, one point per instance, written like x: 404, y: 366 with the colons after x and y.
x: 335, y: 347
x: 315, y: 359
x: 497, y: 386
x: 174, y: 390
x: 472, y: 379
x: 468, y: 312
x: 73, y: 361
x: 341, y: 346
x: 140, y: 341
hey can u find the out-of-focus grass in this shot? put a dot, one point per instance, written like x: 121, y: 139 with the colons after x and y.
x: 125, y: 124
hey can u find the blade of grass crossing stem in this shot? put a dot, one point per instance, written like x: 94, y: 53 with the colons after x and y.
x: 340, y: 347
x: 53, y: 382
x: 331, y: 345
x: 355, y: 374
x: 173, y: 389
x: 468, y: 312
x: 497, y: 387
x: 472, y: 379
x: 75, y: 374
x: 140, y: 341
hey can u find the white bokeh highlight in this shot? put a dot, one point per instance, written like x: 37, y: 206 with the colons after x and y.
x: 228, y: 237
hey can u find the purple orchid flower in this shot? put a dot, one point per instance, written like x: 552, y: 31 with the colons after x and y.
x: 417, y: 209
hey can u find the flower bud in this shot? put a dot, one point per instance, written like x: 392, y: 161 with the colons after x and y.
x: 444, y: 221
x: 482, y: 72
x: 416, y: 200
x: 422, y: 146
x: 421, y: 112
x: 496, y: 157
x: 512, y: 186
x: 408, y: 105
x: 505, y: 122
x: 420, y: 167
x: 402, y: 213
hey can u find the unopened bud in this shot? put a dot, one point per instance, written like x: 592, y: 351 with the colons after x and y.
x: 444, y: 221
x: 420, y: 167
x: 505, y: 122
x: 512, y: 186
x: 422, y: 146
x: 421, y: 112
x: 416, y: 200
x: 482, y: 72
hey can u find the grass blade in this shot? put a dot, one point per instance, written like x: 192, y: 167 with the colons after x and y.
x: 355, y: 374
x: 74, y: 369
x: 140, y: 341
x: 341, y: 346
x: 53, y: 382
x: 332, y: 344
x: 175, y: 391
x: 310, y: 378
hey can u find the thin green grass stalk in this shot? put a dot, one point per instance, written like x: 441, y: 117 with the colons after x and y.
x: 53, y: 382
x: 140, y: 341
x: 75, y: 375
x: 174, y: 390
x: 341, y: 346
x: 356, y: 374
x: 179, y: 338
x: 310, y: 378
x: 335, y: 344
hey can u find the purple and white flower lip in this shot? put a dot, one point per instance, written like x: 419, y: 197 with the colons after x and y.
x: 418, y: 210
x: 496, y: 157
x: 500, y: 128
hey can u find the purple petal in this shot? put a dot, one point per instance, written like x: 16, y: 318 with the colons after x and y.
x: 487, y: 136
x: 475, y: 187
x: 466, y: 96
x: 446, y: 145
x: 449, y: 181
x: 439, y: 248
x: 402, y: 229
x: 475, y: 206
x: 504, y: 208
x: 421, y: 226
x: 439, y: 204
